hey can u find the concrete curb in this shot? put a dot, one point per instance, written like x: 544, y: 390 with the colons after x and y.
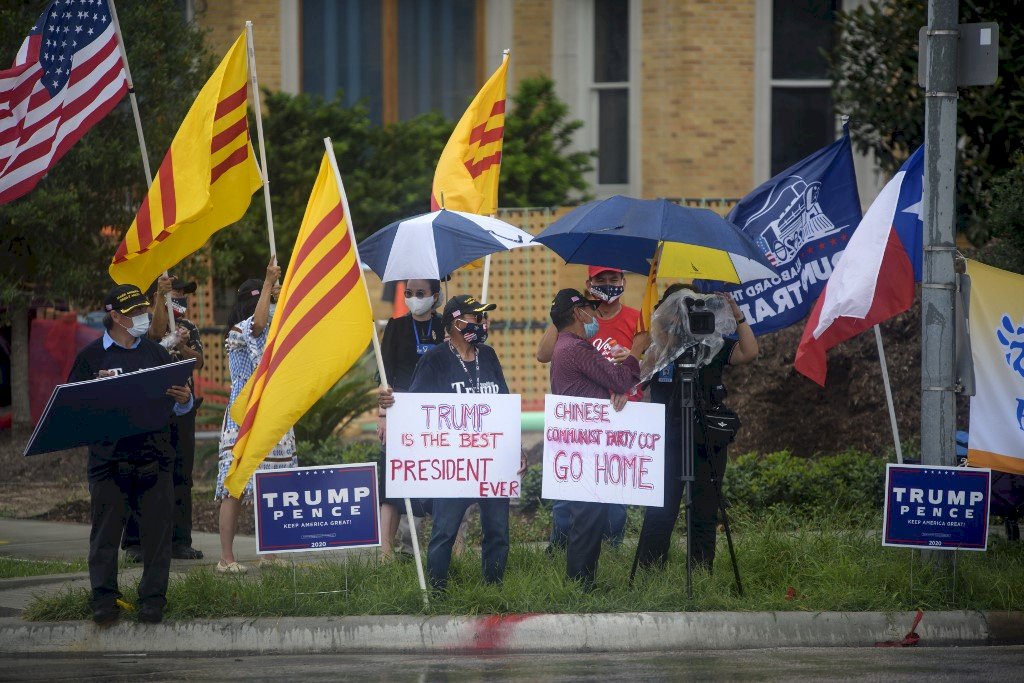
x: 562, y: 633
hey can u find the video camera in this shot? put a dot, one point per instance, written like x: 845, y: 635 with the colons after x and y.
x: 687, y: 322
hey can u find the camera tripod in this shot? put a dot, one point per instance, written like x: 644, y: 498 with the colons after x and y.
x: 687, y: 365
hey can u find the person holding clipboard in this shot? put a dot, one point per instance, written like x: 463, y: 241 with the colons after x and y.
x: 131, y: 473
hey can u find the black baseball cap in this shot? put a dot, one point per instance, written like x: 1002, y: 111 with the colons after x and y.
x: 124, y: 298
x: 461, y: 305
x: 187, y: 286
x: 567, y: 299
x: 250, y: 288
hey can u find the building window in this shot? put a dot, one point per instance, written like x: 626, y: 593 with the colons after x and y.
x: 610, y: 88
x: 401, y: 57
x: 802, y: 116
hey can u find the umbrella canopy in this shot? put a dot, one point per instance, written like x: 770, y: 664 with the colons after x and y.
x: 433, y: 245
x: 623, y: 232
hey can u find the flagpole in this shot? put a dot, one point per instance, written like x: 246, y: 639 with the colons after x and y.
x: 138, y: 132
x: 487, y: 259
x: 377, y: 353
x: 888, y: 395
x: 251, y: 50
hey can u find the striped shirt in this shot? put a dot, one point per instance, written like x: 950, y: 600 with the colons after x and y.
x: 578, y: 369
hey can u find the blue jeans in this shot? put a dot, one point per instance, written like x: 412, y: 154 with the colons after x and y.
x: 448, y: 514
x: 614, y: 532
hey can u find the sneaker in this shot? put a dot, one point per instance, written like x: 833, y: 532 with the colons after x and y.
x: 151, y: 614
x: 231, y: 568
x: 133, y: 554
x: 105, y: 616
x: 185, y: 552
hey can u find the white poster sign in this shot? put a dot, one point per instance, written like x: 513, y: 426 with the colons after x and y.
x: 453, y: 446
x: 593, y: 453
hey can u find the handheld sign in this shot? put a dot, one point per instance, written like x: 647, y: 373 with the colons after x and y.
x: 593, y: 453
x: 316, y: 508
x: 106, y: 409
x: 453, y: 446
x: 928, y: 506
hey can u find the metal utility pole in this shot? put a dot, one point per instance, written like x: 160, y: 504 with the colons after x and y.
x: 938, y: 285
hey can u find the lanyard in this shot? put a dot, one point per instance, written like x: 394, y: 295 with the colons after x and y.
x: 476, y: 362
x: 416, y: 330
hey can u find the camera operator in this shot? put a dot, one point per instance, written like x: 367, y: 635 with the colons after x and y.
x: 710, y: 447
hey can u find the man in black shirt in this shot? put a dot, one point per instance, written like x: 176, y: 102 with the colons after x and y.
x: 462, y: 365
x: 185, y: 344
x: 133, y: 472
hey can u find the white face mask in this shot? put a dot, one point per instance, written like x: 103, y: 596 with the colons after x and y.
x: 419, y: 306
x: 140, y: 325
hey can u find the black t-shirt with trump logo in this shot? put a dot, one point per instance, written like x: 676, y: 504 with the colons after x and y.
x: 439, y: 370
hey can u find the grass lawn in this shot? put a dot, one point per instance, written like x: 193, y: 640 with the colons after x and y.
x: 12, y: 567
x: 830, y: 563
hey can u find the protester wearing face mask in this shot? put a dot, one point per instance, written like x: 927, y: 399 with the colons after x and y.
x: 405, y: 341
x: 132, y: 473
x: 578, y: 369
x: 616, y: 327
x: 248, y: 327
x: 185, y: 344
x: 462, y: 365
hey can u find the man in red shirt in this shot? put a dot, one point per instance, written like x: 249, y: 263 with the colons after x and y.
x: 617, y: 325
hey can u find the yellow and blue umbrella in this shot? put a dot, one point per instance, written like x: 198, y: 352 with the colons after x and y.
x: 623, y: 232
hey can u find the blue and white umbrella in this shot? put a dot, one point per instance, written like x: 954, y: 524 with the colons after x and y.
x: 433, y: 245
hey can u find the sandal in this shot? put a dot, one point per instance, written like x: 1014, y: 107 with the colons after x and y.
x: 231, y: 568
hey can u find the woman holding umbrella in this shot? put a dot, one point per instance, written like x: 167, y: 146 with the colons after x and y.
x: 406, y: 340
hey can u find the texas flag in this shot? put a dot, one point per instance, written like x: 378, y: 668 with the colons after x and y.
x: 875, y: 277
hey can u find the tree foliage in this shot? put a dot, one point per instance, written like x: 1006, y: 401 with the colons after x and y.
x: 51, y: 241
x: 874, y: 71
x: 388, y: 170
x: 538, y: 167
x: 1005, y: 220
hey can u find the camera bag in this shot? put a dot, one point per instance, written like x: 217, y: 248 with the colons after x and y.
x: 721, y: 423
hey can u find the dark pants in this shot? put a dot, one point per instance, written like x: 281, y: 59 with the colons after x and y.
x: 656, y: 533
x: 183, y: 441
x: 587, y: 524
x: 145, y: 490
x: 448, y: 514
x: 614, y: 532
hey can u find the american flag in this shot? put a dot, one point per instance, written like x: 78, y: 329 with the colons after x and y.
x: 67, y: 76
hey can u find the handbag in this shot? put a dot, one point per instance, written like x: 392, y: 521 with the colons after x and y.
x: 721, y: 423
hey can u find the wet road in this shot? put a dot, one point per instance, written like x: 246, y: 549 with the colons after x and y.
x: 795, y: 664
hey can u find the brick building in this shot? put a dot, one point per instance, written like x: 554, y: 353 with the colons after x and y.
x: 680, y: 98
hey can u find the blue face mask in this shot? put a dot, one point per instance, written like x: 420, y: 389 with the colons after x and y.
x: 474, y: 333
x: 590, y: 329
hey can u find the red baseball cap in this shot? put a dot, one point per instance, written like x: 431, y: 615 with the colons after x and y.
x: 594, y: 270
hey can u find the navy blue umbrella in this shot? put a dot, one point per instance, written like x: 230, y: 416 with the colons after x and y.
x: 623, y: 232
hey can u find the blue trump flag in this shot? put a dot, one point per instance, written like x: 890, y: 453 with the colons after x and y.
x: 802, y: 219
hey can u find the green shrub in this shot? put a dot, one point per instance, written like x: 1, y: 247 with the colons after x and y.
x: 845, y: 481
x: 529, y: 499
x: 333, y: 451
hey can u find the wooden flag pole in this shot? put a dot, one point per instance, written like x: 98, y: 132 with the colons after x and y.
x: 142, y: 138
x: 888, y: 395
x: 377, y: 353
x: 264, y: 172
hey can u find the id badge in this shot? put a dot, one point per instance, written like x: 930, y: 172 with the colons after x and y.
x: 665, y: 374
x: 423, y: 348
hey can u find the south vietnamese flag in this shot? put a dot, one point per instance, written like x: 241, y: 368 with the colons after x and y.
x: 874, y: 280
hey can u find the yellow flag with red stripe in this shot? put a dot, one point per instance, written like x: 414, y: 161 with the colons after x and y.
x: 205, y: 182
x: 466, y: 177
x: 643, y: 323
x: 321, y: 327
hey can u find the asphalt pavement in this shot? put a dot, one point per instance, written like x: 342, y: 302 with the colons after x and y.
x: 790, y: 664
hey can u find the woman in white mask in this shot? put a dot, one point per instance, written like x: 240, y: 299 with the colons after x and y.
x: 406, y: 338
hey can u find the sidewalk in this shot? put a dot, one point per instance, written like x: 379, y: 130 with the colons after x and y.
x: 37, y: 540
